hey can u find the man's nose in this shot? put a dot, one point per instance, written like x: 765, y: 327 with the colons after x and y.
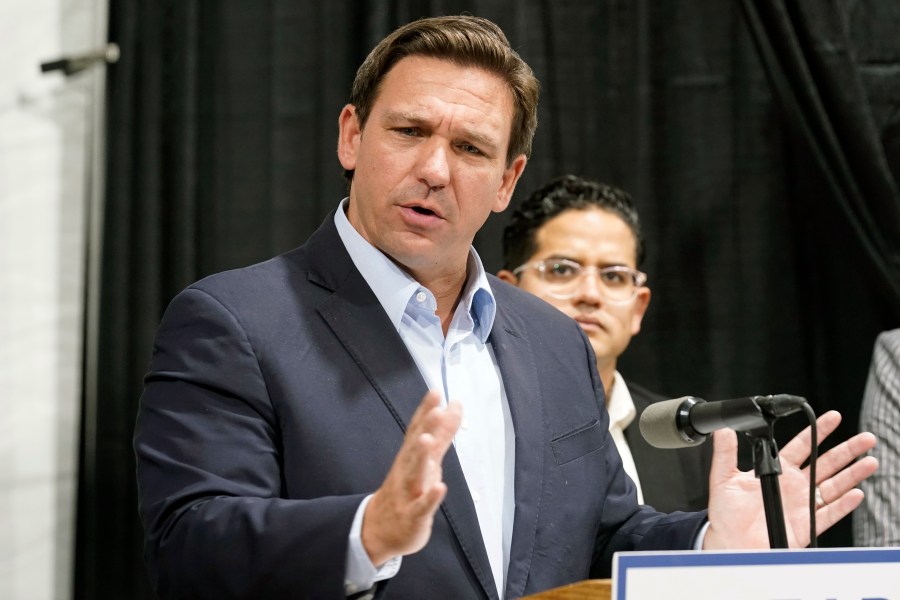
x: 434, y: 166
x: 588, y: 288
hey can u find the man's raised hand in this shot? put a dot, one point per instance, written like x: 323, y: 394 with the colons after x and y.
x: 399, y: 516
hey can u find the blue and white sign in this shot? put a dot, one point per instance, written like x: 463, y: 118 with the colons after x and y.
x: 818, y: 574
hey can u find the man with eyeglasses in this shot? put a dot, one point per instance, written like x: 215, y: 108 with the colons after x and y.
x: 577, y: 244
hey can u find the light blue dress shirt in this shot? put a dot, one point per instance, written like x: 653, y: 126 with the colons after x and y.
x: 461, y: 366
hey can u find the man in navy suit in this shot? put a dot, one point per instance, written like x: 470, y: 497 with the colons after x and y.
x: 372, y: 414
x: 578, y: 244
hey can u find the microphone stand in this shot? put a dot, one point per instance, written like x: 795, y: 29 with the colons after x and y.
x: 753, y: 416
x: 767, y: 467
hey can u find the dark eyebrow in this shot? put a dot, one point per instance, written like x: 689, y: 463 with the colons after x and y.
x: 479, y: 140
x: 575, y: 260
x: 469, y: 135
x: 393, y: 116
x: 561, y: 257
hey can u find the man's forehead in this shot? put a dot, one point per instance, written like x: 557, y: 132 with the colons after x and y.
x: 585, y: 230
x: 419, y: 72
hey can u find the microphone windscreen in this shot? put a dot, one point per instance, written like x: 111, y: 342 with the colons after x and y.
x: 659, y: 425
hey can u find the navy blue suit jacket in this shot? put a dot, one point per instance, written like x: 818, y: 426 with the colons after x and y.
x: 276, y: 400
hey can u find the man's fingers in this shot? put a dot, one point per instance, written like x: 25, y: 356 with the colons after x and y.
x: 418, y: 465
x: 724, y: 459
x: 842, y: 455
x: 446, y: 424
x: 417, y: 423
x: 427, y: 504
x: 829, y: 514
x: 832, y: 488
x: 797, y: 450
x: 428, y: 438
x: 440, y: 421
x: 400, y: 514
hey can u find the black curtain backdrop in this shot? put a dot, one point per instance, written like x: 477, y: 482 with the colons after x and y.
x: 761, y: 141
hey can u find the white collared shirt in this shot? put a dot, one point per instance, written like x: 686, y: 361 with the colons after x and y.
x: 621, y: 413
x: 461, y: 367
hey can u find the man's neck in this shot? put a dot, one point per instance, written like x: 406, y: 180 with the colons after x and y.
x: 607, y: 370
x: 447, y: 289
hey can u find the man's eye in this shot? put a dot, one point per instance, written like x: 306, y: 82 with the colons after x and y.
x: 563, y: 270
x: 408, y: 131
x: 617, y: 278
x: 470, y: 149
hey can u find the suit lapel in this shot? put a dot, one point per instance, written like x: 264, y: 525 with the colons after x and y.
x: 516, y: 361
x: 358, y: 320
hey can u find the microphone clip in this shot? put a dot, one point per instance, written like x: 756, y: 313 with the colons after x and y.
x: 752, y: 415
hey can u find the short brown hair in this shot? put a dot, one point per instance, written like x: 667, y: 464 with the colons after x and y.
x: 569, y: 192
x: 466, y: 41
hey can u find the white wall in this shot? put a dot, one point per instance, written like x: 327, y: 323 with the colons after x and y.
x: 45, y: 132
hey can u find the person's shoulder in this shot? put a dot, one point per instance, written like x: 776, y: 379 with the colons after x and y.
x: 257, y: 277
x: 321, y: 252
x: 266, y: 287
x: 889, y: 341
x: 885, y: 366
x: 274, y: 290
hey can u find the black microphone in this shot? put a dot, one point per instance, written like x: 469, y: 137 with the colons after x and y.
x: 688, y: 421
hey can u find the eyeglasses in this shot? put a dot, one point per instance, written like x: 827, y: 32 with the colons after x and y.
x: 618, y: 284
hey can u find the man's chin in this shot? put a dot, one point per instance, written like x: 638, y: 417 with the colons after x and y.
x: 600, y: 346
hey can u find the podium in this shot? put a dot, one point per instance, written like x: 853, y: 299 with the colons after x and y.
x: 589, y: 589
x: 742, y: 575
x: 753, y: 574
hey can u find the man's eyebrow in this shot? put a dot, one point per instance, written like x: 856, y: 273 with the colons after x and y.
x: 602, y: 264
x: 559, y: 256
x: 479, y: 139
x: 396, y: 115
x: 470, y: 135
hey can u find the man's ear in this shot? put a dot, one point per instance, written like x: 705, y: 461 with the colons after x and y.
x: 349, y: 133
x: 508, y: 277
x: 641, y: 302
x: 508, y: 184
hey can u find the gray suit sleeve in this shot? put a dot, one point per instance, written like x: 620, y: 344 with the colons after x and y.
x: 877, y: 521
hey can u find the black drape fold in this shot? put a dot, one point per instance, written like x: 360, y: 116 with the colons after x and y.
x: 149, y: 248
x: 807, y: 56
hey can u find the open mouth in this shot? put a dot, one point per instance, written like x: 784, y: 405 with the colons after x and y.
x: 423, y: 211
